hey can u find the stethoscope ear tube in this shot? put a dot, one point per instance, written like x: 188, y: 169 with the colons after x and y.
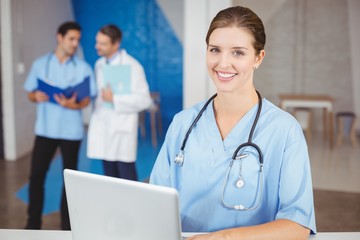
x: 195, y: 121
x: 179, y: 158
x: 241, y: 207
x: 249, y: 144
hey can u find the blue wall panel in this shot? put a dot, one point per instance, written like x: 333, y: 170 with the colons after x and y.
x: 147, y: 36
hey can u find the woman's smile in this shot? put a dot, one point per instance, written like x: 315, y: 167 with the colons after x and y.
x: 225, y: 76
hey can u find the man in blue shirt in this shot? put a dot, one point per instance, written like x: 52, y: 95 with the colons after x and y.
x: 58, y: 122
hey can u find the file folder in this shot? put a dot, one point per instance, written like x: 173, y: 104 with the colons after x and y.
x: 118, y: 77
x: 82, y: 89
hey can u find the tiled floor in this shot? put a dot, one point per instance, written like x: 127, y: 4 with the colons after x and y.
x: 335, y: 170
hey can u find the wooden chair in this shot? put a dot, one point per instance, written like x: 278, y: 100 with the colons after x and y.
x: 345, y: 125
x: 155, y: 119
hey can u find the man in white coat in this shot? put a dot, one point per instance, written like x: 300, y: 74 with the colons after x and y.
x: 113, y: 127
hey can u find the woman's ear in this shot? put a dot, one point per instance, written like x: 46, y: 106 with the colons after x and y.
x: 259, y: 58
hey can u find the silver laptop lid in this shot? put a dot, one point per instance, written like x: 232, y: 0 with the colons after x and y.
x: 109, y: 208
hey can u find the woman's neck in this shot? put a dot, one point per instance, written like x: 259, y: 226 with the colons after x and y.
x: 230, y: 108
x: 235, y: 104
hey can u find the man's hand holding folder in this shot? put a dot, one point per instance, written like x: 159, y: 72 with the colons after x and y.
x: 39, y: 96
x: 71, y: 102
x: 73, y: 97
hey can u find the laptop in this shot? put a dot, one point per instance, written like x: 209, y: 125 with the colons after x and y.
x: 108, y: 208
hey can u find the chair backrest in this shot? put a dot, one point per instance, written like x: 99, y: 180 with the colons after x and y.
x: 155, y: 96
x: 347, y: 120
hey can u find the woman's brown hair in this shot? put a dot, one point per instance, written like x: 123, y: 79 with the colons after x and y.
x: 241, y: 17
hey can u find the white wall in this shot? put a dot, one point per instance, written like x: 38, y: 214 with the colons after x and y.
x: 308, y: 51
x: 7, y: 78
x: 173, y: 10
x: 354, y: 20
x: 312, y: 48
x: 28, y: 31
x: 197, y: 17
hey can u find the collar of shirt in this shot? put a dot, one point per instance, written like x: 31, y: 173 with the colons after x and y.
x: 71, y: 59
x: 60, y: 74
x: 112, y: 58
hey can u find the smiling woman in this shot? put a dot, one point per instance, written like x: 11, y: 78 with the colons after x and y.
x: 243, y: 154
x: 231, y: 60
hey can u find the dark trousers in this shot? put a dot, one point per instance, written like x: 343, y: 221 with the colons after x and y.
x: 120, y: 170
x: 43, y: 153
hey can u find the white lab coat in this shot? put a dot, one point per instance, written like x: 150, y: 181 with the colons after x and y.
x: 112, y: 133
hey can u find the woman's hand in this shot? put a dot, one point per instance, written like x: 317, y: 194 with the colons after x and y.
x: 277, y: 230
x: 219, y: 235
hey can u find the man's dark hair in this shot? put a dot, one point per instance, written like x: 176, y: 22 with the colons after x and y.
x: 113, y: 32
x: 67, y: 26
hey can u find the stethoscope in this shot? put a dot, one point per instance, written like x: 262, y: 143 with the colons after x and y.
x: 239, y: 183
x: 47, y: 67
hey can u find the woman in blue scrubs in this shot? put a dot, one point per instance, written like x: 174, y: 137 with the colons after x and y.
x: 239, y: 163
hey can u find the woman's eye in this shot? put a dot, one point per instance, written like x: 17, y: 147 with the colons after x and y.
x: 214, y: 50
x: 238, y: 53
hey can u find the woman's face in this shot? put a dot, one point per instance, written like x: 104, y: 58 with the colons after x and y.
x: 231, y: 59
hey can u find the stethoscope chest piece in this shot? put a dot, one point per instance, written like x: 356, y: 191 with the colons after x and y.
x: 179, y: 158
x: 239, y: 183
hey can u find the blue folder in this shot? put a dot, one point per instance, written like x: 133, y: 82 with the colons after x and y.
x: 82, y: 89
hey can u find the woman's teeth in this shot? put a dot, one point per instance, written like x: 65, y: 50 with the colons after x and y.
x: 226, y: 75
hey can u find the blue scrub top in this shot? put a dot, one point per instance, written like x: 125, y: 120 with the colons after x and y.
x: 287, y: 184
x: 53, y: 120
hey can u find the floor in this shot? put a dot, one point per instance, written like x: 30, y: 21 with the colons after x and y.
x: 336, y: 181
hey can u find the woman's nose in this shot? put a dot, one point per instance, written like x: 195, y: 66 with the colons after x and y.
x: 224, y: 61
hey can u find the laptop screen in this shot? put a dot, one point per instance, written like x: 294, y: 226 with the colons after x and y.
x: 102, y: 207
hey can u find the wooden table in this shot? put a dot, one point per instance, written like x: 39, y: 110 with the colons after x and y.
x: 323, y: 102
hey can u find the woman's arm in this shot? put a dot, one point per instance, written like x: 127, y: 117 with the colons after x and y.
x: 277, y: 230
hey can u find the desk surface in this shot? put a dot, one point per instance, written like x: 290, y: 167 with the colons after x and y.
x: 15, y: 234
x: 306, y: 97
